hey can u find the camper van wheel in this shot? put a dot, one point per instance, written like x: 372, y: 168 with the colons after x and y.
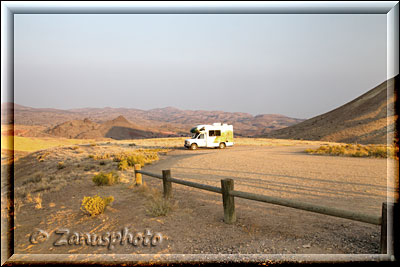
x: 221, y: 145
x: 193, y: 146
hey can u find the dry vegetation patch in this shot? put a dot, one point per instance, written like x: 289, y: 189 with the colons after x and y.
x: 350, y: 150
x: 156, y: 204
x: 160, y: 206
x: 95, y: 205
x: 55, y: 168
x: 106, y: 178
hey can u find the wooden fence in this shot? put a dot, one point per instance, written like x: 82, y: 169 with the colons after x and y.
x: 229, y: 194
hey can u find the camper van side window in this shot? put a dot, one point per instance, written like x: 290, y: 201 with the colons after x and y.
x: 214, y: 133
x: 201, y: 136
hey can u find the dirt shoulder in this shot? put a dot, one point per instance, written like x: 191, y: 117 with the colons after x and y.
x: 195, y: 225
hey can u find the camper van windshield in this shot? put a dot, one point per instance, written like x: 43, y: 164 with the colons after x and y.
x: 195, y: 135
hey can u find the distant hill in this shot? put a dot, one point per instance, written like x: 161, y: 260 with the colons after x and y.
x: 161, y: 121
x: 363, y: 120
x: 118, y: 128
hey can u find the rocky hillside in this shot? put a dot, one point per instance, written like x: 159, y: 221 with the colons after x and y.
x: 368, y: 119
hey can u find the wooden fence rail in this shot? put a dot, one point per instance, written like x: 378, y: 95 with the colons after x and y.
x: 229, y: 194
x: 311, y: 207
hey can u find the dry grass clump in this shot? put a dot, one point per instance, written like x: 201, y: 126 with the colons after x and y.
x: 156, y: 204
x: 43, y: 156
x: 170, y: 142
x: 140, y: 156
x: 123, y: 165
x: 249, y: 141
x: 127, y: 160
x: 106, y: 178
x: 376, y: 151
x: 38, y: 200
x: 100, y: 156
x: 159, y: 206
x: 35, y: 199
x: 251, y: 229
x: 95, y: 205
x: 60, y: 165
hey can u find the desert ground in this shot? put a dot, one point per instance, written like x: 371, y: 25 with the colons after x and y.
x: 49, y: 198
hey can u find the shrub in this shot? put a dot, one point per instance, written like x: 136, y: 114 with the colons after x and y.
x: 159, y: 206
x: 360, y: 154
x: 393, y: 151
x: 106, y: 178
x: 123, y: 165
x: 380, y: 152
x: 98, y: 157
x: 118, y: 157
x: 42, y: 157
x: 38, y: 201
x: 151, y: 156
x: 103, y: 156
x: 140, y: 156
x: 95, y: 205
x: 60, y: 165
x: 136, y: 159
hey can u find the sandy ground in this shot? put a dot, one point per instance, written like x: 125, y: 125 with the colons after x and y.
x: 355, y: 184
x: 196, y: 226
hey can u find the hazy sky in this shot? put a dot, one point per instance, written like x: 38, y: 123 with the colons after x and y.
x: 295, y: 65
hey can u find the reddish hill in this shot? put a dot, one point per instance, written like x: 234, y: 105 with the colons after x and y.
x: 118, y: 128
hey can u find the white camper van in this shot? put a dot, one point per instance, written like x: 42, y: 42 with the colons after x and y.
x: 215, y: 135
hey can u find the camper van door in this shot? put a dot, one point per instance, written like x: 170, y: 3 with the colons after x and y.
x: 210, y: 138
x: 212, y: 135
x: 201, y: 140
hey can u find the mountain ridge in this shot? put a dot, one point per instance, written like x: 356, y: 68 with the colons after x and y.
x: 169, y: 119
x: 367, y: 119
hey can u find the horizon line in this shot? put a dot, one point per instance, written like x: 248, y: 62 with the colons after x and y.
x: 71, y: 109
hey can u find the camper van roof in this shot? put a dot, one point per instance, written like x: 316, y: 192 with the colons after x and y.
x: 214, y: 124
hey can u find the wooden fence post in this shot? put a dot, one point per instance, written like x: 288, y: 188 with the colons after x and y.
x: 390, y: 221
x: 228, y: 201
x: 167, y: 185
x: 138, y: 176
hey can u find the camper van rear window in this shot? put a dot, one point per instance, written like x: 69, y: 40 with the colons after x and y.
x: 214, y: 133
